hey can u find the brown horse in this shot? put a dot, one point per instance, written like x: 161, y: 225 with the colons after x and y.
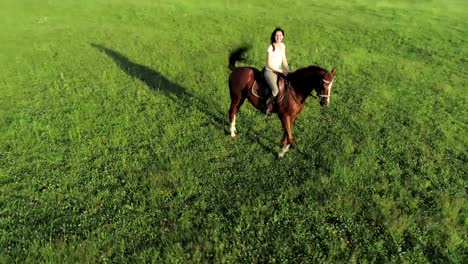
x: 247, y: 82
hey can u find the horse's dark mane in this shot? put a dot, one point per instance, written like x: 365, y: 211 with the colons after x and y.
x: 307, y: 78
x: 308, y: 72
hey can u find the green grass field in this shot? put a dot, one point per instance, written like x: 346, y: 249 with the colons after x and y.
x: 114, y: 143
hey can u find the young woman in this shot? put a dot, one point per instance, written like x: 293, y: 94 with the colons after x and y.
x: 276, y: 62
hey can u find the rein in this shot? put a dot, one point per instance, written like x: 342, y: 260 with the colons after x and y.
x: 293, y: 93
x: 287, y: 88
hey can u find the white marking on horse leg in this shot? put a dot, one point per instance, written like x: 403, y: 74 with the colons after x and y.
x: 233, y: 127
x: 283, y: 151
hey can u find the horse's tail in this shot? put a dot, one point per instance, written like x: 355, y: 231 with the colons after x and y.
x: 237, y: 55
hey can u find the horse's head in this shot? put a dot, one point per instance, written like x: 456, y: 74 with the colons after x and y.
x: 326, y: 85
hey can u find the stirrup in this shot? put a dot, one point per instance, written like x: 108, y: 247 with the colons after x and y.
x: 266, y: 109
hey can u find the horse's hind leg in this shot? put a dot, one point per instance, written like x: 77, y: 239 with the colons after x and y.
x: 236, y: 103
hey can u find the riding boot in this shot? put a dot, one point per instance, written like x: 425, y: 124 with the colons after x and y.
x: 268, y: 102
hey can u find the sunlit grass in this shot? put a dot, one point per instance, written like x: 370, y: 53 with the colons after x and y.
x: 114, y: 144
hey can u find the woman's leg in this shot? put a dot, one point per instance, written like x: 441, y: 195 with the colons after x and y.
x: 272, y: 80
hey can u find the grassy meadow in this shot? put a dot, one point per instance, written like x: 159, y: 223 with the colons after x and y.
x: 114, y: 143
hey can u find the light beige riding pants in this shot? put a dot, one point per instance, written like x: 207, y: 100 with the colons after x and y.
x: 272, y: 80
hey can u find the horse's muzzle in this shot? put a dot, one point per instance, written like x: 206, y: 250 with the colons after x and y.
x: 322, y: 103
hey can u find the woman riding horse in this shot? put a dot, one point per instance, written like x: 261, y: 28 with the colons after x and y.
x: 301, y: 83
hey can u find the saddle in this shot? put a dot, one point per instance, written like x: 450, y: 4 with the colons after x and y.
x: 261, y: 89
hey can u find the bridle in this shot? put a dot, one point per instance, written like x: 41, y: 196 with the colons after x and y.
x: 325, y: 95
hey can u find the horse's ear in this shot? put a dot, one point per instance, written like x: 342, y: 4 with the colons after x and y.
x: 333, y: 71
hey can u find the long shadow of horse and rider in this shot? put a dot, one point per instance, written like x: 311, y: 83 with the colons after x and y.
x: 157, y: 82
x: 244, y: 83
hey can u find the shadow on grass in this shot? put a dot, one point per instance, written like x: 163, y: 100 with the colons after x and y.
x: 153, y: 79
x: 157, y: 82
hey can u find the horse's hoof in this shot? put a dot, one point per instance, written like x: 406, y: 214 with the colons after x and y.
x: 283, y: 151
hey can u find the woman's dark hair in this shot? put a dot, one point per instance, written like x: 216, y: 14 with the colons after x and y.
x: 272, y: 38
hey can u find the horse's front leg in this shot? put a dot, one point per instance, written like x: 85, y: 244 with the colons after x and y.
x: 284, y: 147
x: 287, y: 139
